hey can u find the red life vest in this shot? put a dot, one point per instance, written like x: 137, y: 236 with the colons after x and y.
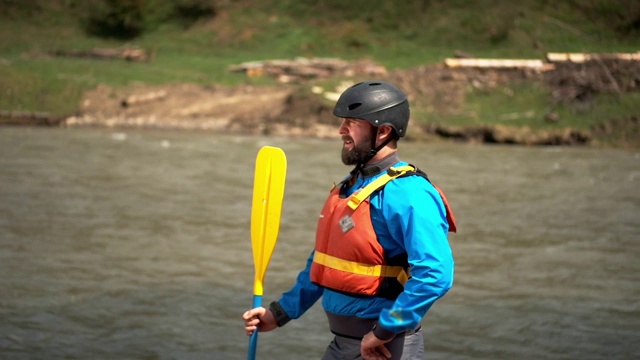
x: 348, y: 256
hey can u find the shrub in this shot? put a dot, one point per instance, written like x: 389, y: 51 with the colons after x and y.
x: 123, y: 19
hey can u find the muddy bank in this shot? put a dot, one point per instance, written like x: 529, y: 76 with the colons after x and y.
x: 250, y: 110
x: 301, y: 108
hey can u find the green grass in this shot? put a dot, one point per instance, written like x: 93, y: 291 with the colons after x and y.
x: 603, y: 107
x: 514, y: 104
x: 28, y: 91
x: 527, y: 104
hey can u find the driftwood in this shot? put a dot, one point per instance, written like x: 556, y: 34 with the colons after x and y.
x: 307, y: 68
x: 551, y: 60
x: 143, y: 98
x: 585, y: 57
x: 129, y: 54
x: 31, y: 118
x: 498, y: 63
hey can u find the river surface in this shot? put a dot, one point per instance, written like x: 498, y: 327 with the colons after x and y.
x: 127, y: 244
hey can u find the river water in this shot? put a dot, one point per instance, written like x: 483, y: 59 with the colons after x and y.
x: 135, y: 244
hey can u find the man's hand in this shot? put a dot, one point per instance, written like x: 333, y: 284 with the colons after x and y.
x: 259, y: 316
x: 373, y: 348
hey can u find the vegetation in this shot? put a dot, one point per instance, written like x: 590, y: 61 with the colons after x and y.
x: 196, y: 41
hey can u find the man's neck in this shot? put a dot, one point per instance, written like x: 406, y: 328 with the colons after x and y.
x: 383, y: 153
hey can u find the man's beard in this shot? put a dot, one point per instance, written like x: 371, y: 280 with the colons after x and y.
x: 359, y: 153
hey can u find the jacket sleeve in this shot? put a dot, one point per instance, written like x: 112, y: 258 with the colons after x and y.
x: 414, y: 220
x: 302, y: 295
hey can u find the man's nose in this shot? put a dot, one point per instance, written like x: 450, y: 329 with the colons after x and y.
x: 342, y: 130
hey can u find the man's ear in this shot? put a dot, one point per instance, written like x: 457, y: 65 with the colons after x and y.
x: 384, y: 131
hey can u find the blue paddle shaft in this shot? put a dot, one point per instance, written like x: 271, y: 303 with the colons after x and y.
x: 253, y: 339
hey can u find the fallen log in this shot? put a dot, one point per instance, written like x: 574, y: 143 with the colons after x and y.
x: 128, y: 54
x: 286, y: 65
x: 307, y: 68
x: 584, y: 57
x: 143, y: 98
x: 498, y: 63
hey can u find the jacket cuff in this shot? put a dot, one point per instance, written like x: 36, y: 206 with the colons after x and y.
x: 382, y: 333
x: 278, y: 312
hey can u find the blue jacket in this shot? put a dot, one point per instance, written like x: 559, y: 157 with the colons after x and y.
x: 408, y: 216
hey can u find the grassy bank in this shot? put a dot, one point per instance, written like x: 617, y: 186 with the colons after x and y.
x: 399, y: 35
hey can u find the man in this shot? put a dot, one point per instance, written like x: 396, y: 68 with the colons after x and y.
x: 381, y: 257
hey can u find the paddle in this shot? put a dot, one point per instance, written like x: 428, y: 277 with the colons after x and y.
x: 268, y: 192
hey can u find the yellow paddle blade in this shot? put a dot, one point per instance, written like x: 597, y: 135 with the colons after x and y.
x: 268, y: 193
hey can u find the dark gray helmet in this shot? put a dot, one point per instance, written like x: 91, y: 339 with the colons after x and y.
x: 378, y: 102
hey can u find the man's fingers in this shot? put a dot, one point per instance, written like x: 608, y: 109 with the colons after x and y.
x: 253, y: 313
x: 379, y: 353
x: 249, y: 330
x: 252, y: 320
x: 383, y: 349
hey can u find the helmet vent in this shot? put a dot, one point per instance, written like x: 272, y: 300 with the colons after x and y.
x: 354, y: 106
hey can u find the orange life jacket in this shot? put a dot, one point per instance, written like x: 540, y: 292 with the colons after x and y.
x: 361, y: 267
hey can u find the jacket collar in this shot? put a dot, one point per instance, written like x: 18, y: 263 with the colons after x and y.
x: 380, y: 166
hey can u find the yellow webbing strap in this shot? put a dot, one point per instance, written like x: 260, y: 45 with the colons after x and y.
x: 392, y: 173
x: 361, y: 269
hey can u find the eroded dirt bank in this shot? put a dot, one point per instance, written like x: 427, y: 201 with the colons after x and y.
x: 301, y: 109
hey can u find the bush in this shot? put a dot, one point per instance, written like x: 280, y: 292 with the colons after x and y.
x: 122, y: 19
x: 192, y: 10
x: 127, y: 19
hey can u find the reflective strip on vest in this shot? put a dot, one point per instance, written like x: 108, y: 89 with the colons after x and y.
x: 360, y: 268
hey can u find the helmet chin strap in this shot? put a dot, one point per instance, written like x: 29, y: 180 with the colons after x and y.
x: 372, y: 152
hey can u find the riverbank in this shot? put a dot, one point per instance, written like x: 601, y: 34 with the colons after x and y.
x: 303, y: 108
x: 277, y: 111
